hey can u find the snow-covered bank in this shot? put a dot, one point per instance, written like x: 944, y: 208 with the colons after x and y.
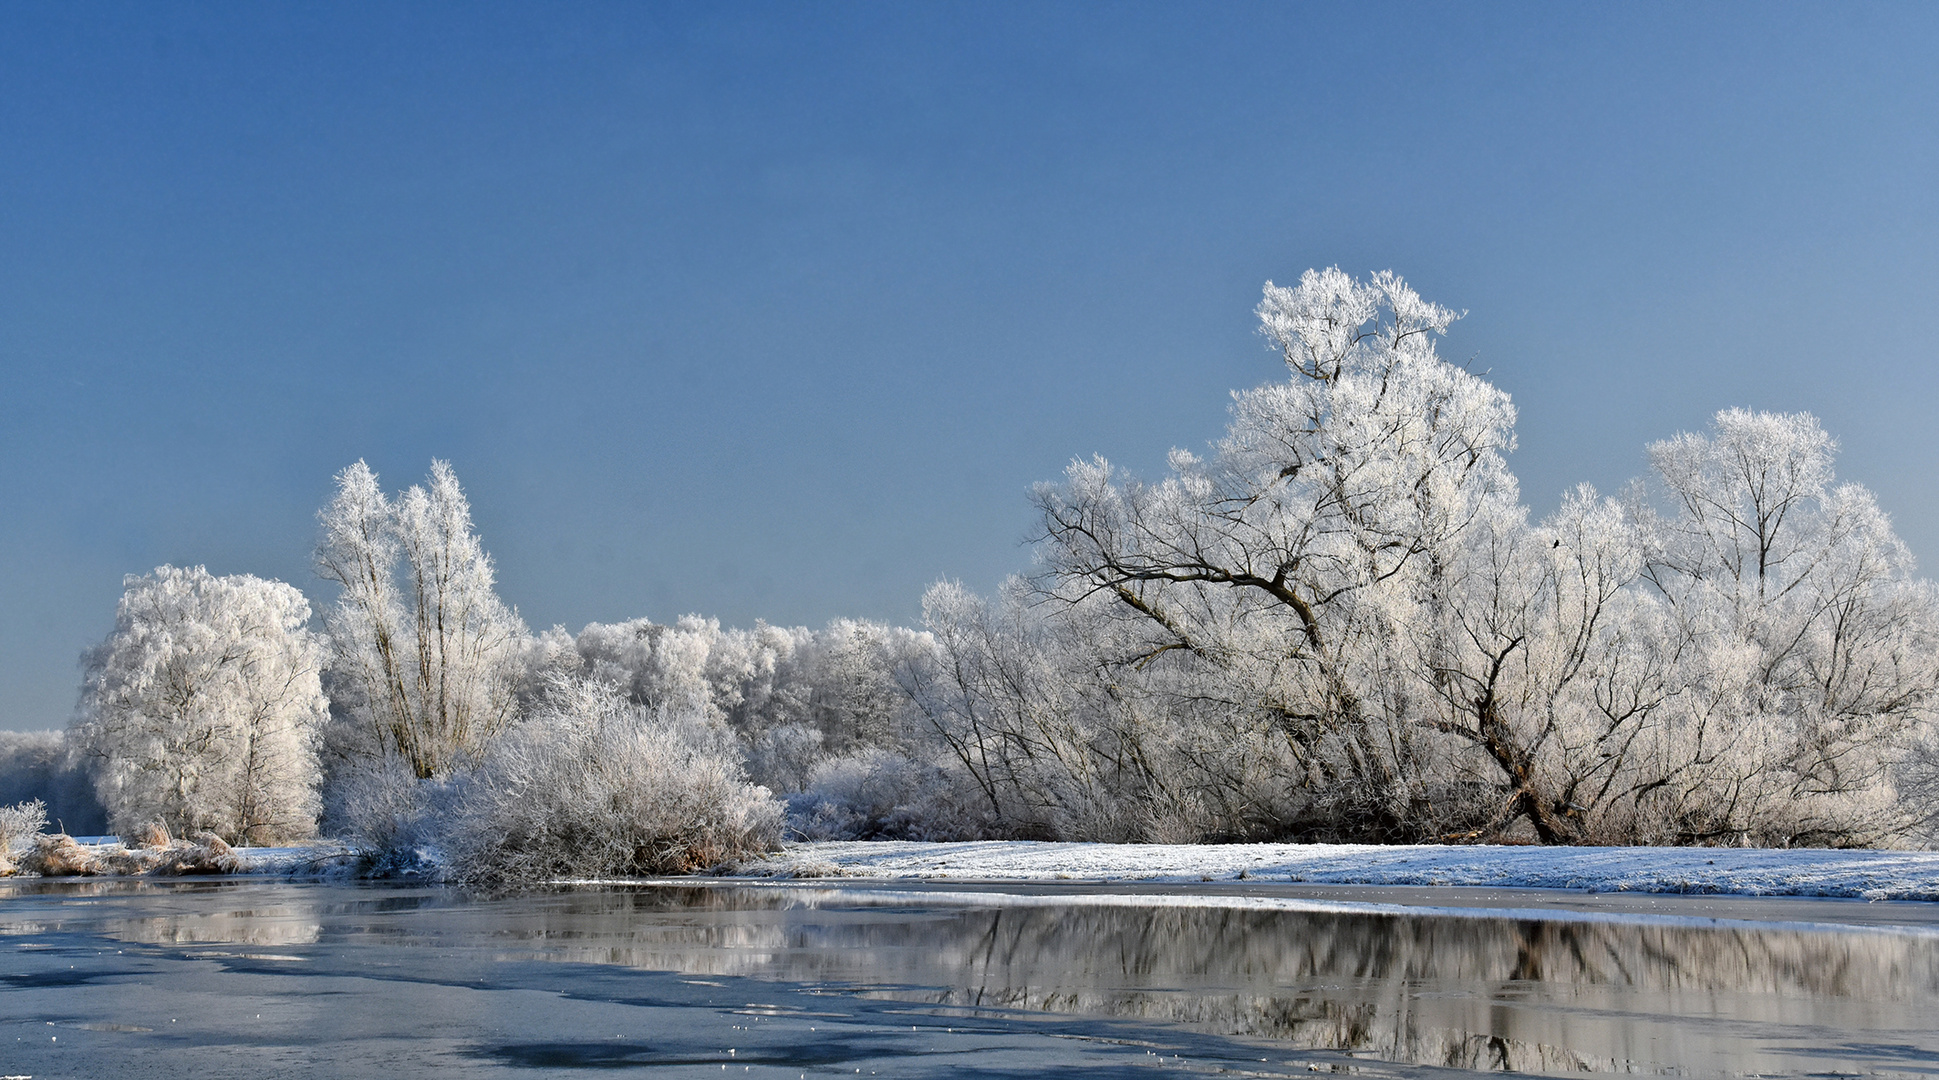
x: 107, y: 856
x: 1871, y: 875
x: 325, y: 857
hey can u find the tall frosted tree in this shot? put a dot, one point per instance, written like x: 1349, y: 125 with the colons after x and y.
x: 1350, y: 582
x: 202, y: 709
x: 1296, y: 556
x: 427, y: 649
x: 1810, y: 651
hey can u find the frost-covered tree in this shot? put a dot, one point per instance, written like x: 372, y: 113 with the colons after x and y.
x: 1296, y: 556
x: 429, y: 657
x: 1809, y: 651
x: 202, y: 709
x: 1343, y: 622
x: 819, y: 716
x: 1542, y: 660
x: 1053, y: 734
x: 791, y: 695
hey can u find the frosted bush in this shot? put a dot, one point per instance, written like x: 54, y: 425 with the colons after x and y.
x: 378, y: 804
x: 19, y: 823
x: 784, y: 758
x: 878, y: 795
x: 590, y: 785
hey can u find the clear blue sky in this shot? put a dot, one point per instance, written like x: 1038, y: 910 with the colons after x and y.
x: 777, y: 311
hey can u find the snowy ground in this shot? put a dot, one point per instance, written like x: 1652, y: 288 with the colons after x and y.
x: 1870, y: 875
x: 325, y: 856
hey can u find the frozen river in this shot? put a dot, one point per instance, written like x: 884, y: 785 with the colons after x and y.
x: 249, y: 977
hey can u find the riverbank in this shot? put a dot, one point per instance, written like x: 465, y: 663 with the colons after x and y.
x: 60, y: 856
x: 1869, y: 875
x: 1848, y: 874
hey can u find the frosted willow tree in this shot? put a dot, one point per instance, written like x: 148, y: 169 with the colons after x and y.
x: 1298, y: 555
x: 203, y: 707
x: 1352, y: 570
x: 1064, y: 734
x: 1544, y: 663
x: 1811, y: 652
x: 428, y: 650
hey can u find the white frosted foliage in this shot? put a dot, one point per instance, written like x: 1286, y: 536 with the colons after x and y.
x: 591, y: 785
x: 202, y: 709
x: 429, y: 653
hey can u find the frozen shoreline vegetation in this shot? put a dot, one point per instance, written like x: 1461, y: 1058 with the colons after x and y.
x: 1869, y: 875
x: 58, y: 855
x: 1339, y: 624
x: 1847, y: 874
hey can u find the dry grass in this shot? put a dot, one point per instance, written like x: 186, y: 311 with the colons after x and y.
x: 60, y: 856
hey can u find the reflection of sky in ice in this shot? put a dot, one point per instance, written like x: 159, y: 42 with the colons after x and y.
x: 1603, y: 991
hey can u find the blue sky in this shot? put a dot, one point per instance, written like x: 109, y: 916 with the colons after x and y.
x: 777, y: 311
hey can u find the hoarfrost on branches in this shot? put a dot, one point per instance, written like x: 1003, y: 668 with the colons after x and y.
x: 1295, y: 561
x: 427, y: 652
x: 591, y: 785
x: 1339, y: 623
x: 201, y: 710
x: 1810, y: 652
x: 1343, y: 623
x: 20, y: 823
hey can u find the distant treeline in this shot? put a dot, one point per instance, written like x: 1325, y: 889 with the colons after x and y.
x: 1340, y: 623
x: 35, y: 765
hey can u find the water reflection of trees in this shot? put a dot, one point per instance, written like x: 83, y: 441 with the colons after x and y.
x: 260, y: 926
x: 166, y: 913
x: 1467, y: 992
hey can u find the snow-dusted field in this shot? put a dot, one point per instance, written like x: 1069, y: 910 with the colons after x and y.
x: 1871, y: 875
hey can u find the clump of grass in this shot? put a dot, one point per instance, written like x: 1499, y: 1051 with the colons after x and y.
x: 60, y: 856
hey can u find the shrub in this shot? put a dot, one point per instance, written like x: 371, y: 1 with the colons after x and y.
x: 590, y: 785
x: 19, y: 822
x: 380, y: 804
x: 877, y: 795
